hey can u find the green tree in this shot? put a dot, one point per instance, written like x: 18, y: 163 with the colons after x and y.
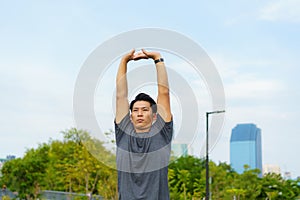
x: 249, y: 181
x: 81, y: 163
x: 75, y: 165
x: 222, y: 177
x: 66, y: 165
x: 27, y: 175
x: 275, y: 187
x: 184, y: 173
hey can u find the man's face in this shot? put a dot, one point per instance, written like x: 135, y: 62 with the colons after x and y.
x: 142, y: 116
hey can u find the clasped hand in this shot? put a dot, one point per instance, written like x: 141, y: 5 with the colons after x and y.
x: 141, y: 55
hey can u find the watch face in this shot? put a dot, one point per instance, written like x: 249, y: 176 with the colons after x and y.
x: 159, y: 60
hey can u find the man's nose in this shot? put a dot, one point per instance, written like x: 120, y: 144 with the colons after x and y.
x: 140, y: 113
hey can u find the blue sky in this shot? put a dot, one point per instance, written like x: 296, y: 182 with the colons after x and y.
x: 254, y: 45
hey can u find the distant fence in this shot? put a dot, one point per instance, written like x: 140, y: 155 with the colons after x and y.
x: 57, y: 195
x: 7, y: 193
x: 53, y: 195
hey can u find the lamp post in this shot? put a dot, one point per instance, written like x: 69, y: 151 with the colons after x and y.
x: 207, y: 194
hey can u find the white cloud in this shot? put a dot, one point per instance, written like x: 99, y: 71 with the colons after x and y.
x: 281, y: 10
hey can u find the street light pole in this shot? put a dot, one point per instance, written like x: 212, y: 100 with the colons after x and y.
x: 207, y: 161
x: 207, y: 194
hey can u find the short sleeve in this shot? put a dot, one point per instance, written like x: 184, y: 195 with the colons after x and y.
x: 164, y: 128
x: 125, y: 126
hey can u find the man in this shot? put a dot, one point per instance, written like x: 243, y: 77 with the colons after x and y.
x: 143, y: 135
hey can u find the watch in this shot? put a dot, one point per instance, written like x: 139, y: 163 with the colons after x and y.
x: 158, y: 60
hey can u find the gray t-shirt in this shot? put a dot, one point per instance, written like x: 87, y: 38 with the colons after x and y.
x: 142, y: 160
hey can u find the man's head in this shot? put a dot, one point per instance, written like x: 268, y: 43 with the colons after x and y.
x: 144, y: 97
x: 143, y: 112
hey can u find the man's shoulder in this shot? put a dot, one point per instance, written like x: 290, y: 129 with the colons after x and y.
x: 125, y: 119
x: 124, y: 127
x: 160, y: 122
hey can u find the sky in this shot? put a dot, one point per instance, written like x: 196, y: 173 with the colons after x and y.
x: 254, y: 45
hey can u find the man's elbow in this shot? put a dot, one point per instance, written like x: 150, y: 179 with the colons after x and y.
x: 121, y: 95
x: 164, y: 91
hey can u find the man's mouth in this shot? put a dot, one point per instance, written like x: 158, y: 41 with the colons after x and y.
x: 140, y: 120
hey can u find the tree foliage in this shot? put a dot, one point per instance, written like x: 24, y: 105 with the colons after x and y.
x: 187, y: 182
x: 76, y: 164
x: 62, y: 166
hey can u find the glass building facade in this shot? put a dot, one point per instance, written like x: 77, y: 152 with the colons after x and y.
x: 179, y: 149
x: 245, y: 147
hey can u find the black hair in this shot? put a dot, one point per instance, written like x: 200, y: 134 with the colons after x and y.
x: 144, y: 97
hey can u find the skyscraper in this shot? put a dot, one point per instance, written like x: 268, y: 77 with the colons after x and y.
x: 245, y: 147
x: 179, y: 149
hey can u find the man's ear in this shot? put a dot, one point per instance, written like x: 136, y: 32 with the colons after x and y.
x: 154, y: 116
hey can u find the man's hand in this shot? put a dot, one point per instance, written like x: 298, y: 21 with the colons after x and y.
x: 140, y: 55
x: 134, y: 56
x: 151, y: 54
x: 130, y: 56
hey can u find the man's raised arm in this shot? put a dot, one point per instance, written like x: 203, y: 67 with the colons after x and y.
x: 163, y: 97
x: 122, y: 105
